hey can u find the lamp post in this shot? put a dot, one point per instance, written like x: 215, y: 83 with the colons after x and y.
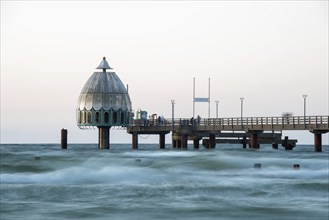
x: 172, y: 114
x: 217, y: 108
x: 241, y: 99
x: 305, y: 96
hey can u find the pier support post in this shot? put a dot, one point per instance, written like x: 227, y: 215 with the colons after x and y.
x: 174, y: 143
x: 212, y: 141
x: 64, y: 138
x: 104, y: 137
x: 184, y: 141
x: 317, y: 141
x: 179, y: 143
x: 162, y: 140
x: 253, y: 140
x: 196, y: 143
x: 134, y: 140
x: 244, y: 141
x: 318, y: 138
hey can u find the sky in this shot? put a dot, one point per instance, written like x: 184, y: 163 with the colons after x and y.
x: 269, y: 52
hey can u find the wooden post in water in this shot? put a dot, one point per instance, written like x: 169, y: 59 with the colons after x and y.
x: 64, y: 138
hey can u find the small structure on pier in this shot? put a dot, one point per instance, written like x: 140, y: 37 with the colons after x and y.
x: 104, y: 102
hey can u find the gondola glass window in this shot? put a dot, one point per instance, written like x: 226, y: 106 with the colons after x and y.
x: 115, y: 117
x: 89, y: 117
x: 82, y: 118
x: 122, y: 118
x: 97, y: 119
x: 106, y: 117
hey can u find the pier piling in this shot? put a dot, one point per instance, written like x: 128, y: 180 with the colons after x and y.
x: 244, y: 141
x: 184, y: 141
x: 179, y: 143
x: 174, y: 143
x: 162, y: 140
x: 253, y: 140
x: 135, y: 140
x: 212, y: 141
x: 318, y: 142
x: 318, y: 138
x: 196, y: 143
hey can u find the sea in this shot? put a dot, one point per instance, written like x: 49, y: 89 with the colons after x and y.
x: 41, y: 181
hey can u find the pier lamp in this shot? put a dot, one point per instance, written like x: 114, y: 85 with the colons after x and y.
x: 305, y: 96
x: 241, y: 99
x: 172, y: 113
x: 217, y: 108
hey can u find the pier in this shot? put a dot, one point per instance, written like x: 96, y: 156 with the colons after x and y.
x: 104, y: 102
x: 251, y: 131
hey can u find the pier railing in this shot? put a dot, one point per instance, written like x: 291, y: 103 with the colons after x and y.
x: 234, y: 124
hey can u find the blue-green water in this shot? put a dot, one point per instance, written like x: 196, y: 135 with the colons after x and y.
x: 44, y: 182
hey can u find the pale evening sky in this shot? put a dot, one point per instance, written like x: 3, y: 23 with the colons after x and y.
x: 269, y: 52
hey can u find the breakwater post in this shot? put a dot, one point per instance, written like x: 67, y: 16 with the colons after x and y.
x: 64, y: 138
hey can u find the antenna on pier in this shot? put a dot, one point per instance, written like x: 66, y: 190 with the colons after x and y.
x: 198, y: 99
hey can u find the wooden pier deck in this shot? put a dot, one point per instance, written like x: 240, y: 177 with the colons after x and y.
x: 247, y: 130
